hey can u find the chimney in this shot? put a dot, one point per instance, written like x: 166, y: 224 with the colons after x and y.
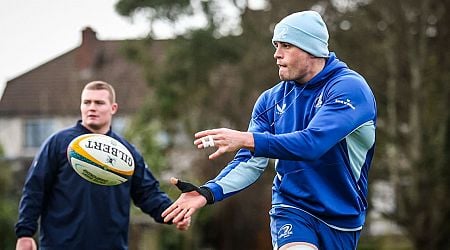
x: 88, y: 51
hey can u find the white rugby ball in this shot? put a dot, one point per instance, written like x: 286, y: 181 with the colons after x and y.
x: 100, y: 159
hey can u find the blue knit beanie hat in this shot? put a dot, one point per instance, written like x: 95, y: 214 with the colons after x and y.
x: 305, y: 30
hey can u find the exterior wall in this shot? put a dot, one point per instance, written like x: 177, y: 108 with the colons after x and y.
x: 11, y: 137
x: 12, y: 133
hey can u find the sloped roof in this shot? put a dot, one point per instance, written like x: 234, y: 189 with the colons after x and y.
x: 54, y: 88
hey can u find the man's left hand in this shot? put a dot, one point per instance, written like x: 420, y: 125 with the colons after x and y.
x: 225, y: 140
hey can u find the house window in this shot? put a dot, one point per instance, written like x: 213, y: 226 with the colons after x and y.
x: 36, y: 131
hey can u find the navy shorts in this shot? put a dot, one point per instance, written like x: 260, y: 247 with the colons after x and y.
x: 293, y: 225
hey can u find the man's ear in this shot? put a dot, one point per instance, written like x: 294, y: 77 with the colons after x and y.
x: 114, y: 108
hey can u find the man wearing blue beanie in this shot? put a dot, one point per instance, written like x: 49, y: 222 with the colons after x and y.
x: 305, y: 30
x: 318, y: 124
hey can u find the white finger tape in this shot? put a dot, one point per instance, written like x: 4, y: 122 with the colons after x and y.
x: 207, y: 141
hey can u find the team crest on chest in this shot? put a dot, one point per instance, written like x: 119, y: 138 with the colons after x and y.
x: 319, y: 101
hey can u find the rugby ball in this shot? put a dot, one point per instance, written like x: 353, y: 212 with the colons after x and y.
x: 100, y: 159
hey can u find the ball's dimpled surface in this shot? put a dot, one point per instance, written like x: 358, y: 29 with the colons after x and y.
x: 100, y: 159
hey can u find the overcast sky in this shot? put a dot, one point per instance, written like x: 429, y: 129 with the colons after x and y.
x: 35, y: 31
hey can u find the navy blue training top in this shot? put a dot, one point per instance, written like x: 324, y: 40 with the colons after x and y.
x: 75, y: 213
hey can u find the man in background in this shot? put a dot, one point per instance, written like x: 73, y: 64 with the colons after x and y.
x: 75, y: 213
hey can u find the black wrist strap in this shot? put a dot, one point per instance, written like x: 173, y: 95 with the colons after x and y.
x: 185, y: 187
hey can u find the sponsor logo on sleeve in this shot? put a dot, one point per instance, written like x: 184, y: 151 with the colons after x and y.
x: 347, y: 102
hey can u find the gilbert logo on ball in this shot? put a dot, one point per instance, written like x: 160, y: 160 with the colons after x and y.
x: 100, y: 159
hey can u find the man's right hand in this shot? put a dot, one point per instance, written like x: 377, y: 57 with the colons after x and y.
x: 184, y: 206
x: 26, y: 243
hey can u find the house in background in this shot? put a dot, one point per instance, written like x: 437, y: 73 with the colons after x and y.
x: 47, y: 98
